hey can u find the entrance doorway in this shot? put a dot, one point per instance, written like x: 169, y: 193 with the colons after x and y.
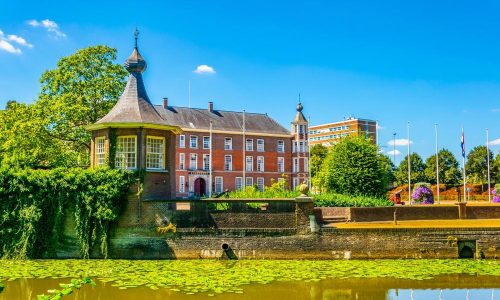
x: 200, y: 187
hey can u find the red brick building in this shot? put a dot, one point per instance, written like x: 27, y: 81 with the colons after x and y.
x: 189, y: 152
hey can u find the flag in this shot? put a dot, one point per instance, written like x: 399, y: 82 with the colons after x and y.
x: 463, y: 144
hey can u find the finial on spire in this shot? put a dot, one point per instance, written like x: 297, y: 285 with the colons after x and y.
x: 136, y: 36
x: 299, y: 106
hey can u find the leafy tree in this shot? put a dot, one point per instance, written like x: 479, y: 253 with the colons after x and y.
x: 354, y: 167
x: 81, y: 90
x: 417, y: 170
x: 318, y: 154
x: 477, y: 165
x: 449, y: 168
x: 496, y: 175
x: 389, y: 168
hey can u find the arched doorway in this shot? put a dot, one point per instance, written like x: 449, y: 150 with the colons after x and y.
x: 200, y: 187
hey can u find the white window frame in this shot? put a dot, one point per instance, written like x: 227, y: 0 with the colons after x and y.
x: 296, y: 166
x: 281, y: 164
x: 260, y: 184
x: 182, y: 161
x: 150, y: 155
x: 228, y: 164
x: 191, y: 165
x: 260, y: 164
x: 100, y: 151
x: 249, y: 142
x: 249, y: 166
x: 228, y: 143
x: 260, y: 145
x: 295, y: 183
x: 248, y: 181
x: 219, y: 184
x: 238, y: 183
x: 280, y: 146
x: 126, y: 158
x: 206, y: 142
x: 306, y: 164
x: 206, y: 162
x: 182, y: 141
x: 182, y: 184
x: 193, y: 138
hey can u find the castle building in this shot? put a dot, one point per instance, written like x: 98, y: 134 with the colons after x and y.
x: 329, y: 134
x: 190, y: 152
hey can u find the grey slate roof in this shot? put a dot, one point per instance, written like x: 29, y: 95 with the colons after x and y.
x: 197, y: 118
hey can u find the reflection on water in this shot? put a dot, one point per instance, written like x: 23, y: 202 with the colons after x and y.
x: 444, y: 287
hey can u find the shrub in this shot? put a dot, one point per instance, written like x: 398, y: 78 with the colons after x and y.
x: 33, y: 203
x: 422, y: 193
x: 337, y: 200
x: 496, y: 193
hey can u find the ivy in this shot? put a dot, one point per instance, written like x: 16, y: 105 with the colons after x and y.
x: 112, y: 148
x: 33, y: 204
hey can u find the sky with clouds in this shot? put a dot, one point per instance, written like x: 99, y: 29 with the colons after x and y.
x: 425, y: 63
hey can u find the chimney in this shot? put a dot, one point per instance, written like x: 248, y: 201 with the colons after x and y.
x: 210, y: 106
x: 165, y: 103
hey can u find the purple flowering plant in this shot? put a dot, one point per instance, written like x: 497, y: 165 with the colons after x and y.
x: 496, y: 196
x: 423, y: 195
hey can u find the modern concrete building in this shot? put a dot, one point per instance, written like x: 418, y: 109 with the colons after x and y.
x: 189, y: 152
x: 331, y: 133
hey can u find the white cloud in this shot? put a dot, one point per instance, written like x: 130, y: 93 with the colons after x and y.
x: 495, y: 142
x: 394, y: 152
x: 495, y: 110
x: 399, y: 142
x: 204, y: 69
x: 5, y: 45
x: 380, y: 127
x: 50, y: 25
x: 19, y: 40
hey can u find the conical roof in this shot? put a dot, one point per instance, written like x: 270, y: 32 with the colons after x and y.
x: 299, y: 116
x: 134, y: 106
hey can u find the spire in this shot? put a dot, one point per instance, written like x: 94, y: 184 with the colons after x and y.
x: 299, y: 116
x: 135, y: 63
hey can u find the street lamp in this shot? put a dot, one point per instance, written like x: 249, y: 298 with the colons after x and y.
x: 394, y: 150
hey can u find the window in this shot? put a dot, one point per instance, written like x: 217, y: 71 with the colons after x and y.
x: 260, y: 163
x: 238, y: 184
x: 193, y: 161
x: 155, y: 153
x: 294, y: 146
x: 302, y: 129
x: 301, y: 147
x: 260, y: 183
x: 182, y: 141
x: 306, y: 165
x: 193, y: 141
x: 296, y: 165
x: 249, y: 164
x: 182, y: 161
x: 219, y: 185
x: 228, y: 163
x: 126, y: 152
x: 206, y: 142
x: 206, y: 162
x: 228, y: 144
x: 249, y: 145
x: 182, y: 184
x: 281, y: 146
x: 249, y: 181
x: 295, y: 183
x: 281, y: 164
x: 100, y: 154
x: 260, y: 145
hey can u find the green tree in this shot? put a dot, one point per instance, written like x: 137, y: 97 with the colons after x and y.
x: 496, y: 176
x: 50, y: 132
x: 318, y: 154
x: 417, y: 170
x: 476, y: 166
x: 449, y: 168
x: 389, y: 168
x: 354, y: 167
x: 81, y: 90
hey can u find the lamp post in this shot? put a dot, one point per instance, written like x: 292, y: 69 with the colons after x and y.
x: 394, y: 150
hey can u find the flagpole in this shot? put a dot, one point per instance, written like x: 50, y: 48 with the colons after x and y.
x: 488, y: 161
x: 409, y: 164
x: 463, y: 163
x: 437, y: 163
x: 309, y: 179
x: 210, y: 162
x: 244, y: 183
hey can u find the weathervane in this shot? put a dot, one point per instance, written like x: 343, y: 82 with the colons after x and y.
x: 136, y: 35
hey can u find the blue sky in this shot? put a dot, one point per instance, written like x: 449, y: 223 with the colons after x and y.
x: 425, y: 62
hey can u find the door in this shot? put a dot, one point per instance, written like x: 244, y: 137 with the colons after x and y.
x: 199, y: 187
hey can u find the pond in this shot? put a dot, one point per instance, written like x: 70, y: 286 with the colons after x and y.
x: 265, y: 279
